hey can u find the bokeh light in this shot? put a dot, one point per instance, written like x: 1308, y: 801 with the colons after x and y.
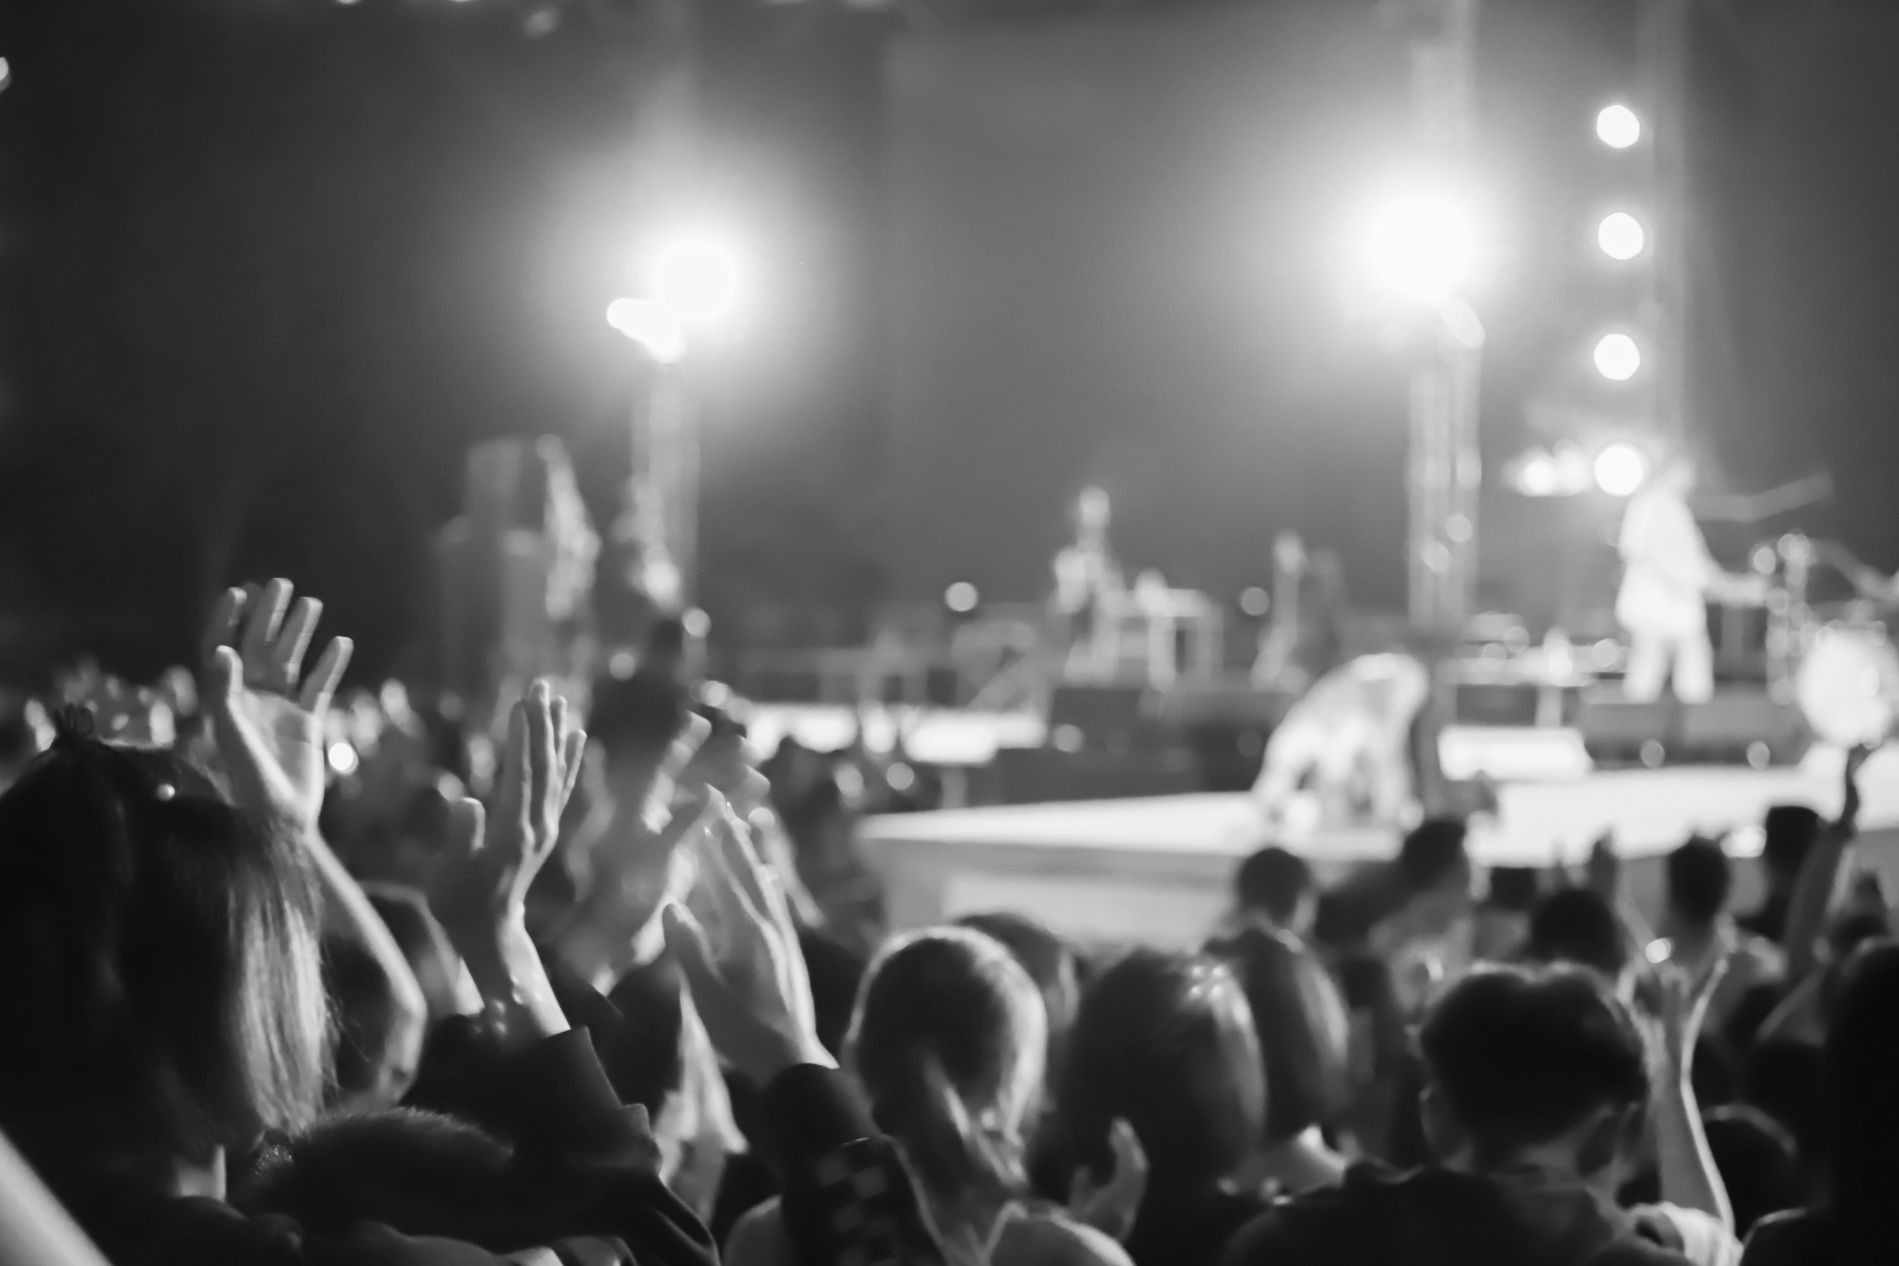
x: 1620, y: 469
x: 1618, y: 127
x: 1617, y: 357
x: 1621, y: 236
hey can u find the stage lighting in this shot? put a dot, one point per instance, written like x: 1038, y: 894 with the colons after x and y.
x: 697, y: 277
x: 961, y: 597
x: 1621, y: 469
x: 1617, y: 357
x: 653, y: 326
x: 1618, y: 127
x: 1621, y: 236
x: 1424, y: 246
x: 1538, y: 476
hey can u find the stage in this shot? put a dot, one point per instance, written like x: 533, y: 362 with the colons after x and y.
x: 1157, y: 869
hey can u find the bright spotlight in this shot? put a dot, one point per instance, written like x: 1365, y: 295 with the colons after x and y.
x: 960, y: 597
x: 1621, y: 236
x: 697, y: 278
x: 1425, y: 247
x: 1621, y: 469
x: 1617, y: 357
x: 1618, y: 127
x: 653, y: 326
x: 1538, y: 476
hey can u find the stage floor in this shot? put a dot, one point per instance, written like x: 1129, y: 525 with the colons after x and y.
x: 1157, y: 869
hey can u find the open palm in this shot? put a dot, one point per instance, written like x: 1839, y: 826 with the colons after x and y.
x: 269, y: 716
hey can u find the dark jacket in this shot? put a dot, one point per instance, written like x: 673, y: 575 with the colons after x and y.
x: 578, y: 1182
x: 1434, y: 1217
x: 1181, y: 1228
x: 1808, y: 1239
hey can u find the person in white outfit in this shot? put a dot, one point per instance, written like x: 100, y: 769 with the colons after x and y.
x: 1667, y: 578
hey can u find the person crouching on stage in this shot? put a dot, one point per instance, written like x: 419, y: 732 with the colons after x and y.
x: 1668, y: 578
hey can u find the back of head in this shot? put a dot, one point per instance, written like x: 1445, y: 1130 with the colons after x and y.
x: 1759, y: 1163
x: 1166, y: 1042
x: 1521, y: 1057
x: 1699, y: 880
x: 948, y: 1042
x: 1050, y: 962
x: 160, y: 993
x: 1302, y: 1026
x: 1577, y: 925
x: 1273, y: 882
x: 1788, y: 832
x: 1434, y: 856
x: 1862, y: 1094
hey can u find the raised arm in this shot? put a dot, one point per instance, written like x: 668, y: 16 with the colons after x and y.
x: 1687, y: 1170
x: 1820, y: 876
x: 268, y: 718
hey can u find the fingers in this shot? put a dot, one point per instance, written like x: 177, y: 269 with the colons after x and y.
x: 686, y: 942
x: 516, y: 783
x: 319, y: 687
x: 753, y: 881
x: 221, y: 628
x: 573, y: 761
x: 260, y: 629
x: 286, y: 653
x: 541, y: 752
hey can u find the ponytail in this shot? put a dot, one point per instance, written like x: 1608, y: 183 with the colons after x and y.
x: 968, y: 1173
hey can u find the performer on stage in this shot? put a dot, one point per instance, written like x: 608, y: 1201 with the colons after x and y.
x: 1087, y: 580
x: 1667, y: 579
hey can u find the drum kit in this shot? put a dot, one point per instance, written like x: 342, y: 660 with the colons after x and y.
x: 1838, y: 665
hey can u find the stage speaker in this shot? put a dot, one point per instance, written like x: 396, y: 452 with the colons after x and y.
x: 1042, y: 775
x: 1616, y: 731
x: 1113, y: 719
x: 1227, y: 754
x: 1744, y: 727
x: 1505, y: 704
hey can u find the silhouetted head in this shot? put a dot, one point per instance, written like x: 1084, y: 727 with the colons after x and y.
x: 160, y: 989
x: 1165, y: 1042
x: 1545, y: 1062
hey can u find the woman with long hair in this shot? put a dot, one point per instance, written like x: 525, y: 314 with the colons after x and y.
x: 1300, y: 1019
x: 948, y: 1044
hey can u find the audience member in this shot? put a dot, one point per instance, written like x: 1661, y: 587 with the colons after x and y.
x: 1300, y: 1020
x: 1699, y: 936
x: 949, y: 1041
x: 1276, y: 887
x: 1788, y: 833
x: 1538, y: 1092
x: 1852, y: 1225
x: 1166, y: 1043
x: 1759, y: 1163
x: 1428, y: 939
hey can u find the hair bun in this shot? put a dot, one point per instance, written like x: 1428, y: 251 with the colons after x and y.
x: 73, y: 723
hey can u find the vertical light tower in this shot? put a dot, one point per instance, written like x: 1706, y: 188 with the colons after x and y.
x: 1663, y: 45
x: 1443, y: 467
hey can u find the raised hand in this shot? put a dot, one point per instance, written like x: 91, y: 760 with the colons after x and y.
x: 268, y: 714
x: 1684, y: 1010
x: 1109, y: 1207
x: 740, y: 955
x: 479, y: 889
x: 1856, y: 759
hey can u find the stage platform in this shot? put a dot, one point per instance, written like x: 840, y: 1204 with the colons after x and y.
x: 1157, y: 869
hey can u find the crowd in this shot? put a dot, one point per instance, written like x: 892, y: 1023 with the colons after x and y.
x: 285, y: 979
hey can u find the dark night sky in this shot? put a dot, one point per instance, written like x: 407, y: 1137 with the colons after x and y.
x: 268, y: 267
